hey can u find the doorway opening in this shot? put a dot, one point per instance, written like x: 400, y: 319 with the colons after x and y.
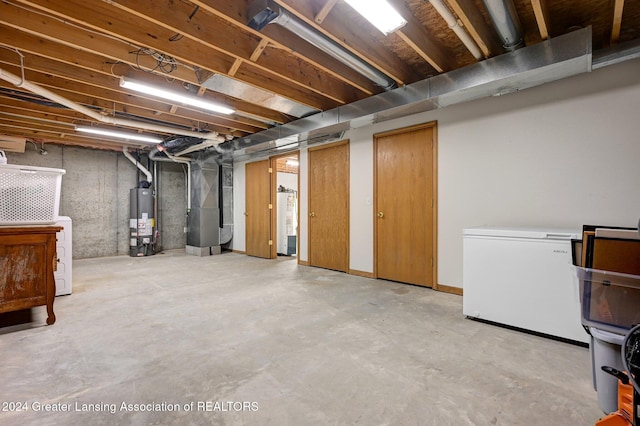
x: 285, y: 203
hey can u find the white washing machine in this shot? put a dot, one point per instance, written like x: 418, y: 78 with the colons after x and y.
x: 63, y: 274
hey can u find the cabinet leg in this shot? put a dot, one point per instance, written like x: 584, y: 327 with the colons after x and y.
x: 51, y: 317
x: 51, y: 292
x: 51, y: 295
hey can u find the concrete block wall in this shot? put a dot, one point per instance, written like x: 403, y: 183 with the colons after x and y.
x: 95, y: 194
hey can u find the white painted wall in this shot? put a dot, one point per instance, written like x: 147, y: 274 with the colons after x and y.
x: 303, y: 200
x: 559, y: 155
x: 239, y: 241
x: 361, y: 201
x: 288, y: 180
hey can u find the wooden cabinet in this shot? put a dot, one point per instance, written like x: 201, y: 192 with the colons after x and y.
x: 27, y: 265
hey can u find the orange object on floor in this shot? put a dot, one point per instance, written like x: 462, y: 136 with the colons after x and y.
x: 624, y: 415
x: 613, y: 419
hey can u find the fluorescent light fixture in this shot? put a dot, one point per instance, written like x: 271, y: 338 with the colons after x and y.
x: 379, y: 13
x: 174, y: 97
x: 117, y: 134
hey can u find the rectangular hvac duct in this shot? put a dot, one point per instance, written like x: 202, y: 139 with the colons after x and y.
x: 241, y: 90
x: 551, y: 60
x: 541, y: 63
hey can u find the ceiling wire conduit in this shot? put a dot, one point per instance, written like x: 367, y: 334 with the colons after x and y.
x: 17, y: 81
x: 264, y: 12
x: 452, y: 22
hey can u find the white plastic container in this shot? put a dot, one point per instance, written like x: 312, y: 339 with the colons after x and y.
x: 29, y: 195
x: 610, y: 300
x: 605, y: 349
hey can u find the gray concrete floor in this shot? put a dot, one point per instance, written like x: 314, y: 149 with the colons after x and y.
x: 244, y: 341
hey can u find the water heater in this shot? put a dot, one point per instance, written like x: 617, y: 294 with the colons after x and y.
x: 141, y: 222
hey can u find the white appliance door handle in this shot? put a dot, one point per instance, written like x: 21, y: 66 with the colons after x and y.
x: 559, y: 236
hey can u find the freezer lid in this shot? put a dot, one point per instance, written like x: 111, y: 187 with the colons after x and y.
x: 522, y: 232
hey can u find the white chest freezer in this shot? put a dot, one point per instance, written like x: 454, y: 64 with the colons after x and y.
x: 522, y: 277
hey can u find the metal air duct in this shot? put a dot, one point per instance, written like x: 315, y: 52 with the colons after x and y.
x: 506, y: 22
x: 264, y: 12
x: 550, y: 60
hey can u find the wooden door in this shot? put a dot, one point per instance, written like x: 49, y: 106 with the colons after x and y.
x: 329, y: 207
x: 405, y: 206
x: 257, y: 209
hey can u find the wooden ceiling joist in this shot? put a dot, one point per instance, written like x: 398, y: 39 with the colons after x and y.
x: 153, y: 32
x: 90, y: 61
x: 56, y: 30
x: 541, y: 11
x: 326, y: 8
x: 80, y: 49
x: 416, y: 36
x: 617, y: 20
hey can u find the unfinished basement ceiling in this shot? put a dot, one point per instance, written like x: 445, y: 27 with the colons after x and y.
x: 79, y: 50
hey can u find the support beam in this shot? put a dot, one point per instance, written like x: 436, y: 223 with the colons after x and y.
x: 192, y: 50
x: 325, y: 11
x: 617, y: 20
x: 416, y: 36
x: 542, y: 17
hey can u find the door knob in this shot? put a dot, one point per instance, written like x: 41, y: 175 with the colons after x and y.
x: 380, y: 214
x: 312, y: 214
x: 246, y: 214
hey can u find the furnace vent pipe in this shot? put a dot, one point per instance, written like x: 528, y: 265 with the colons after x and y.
x: 39, y: 90
x: 264, y: 12
x: 506, y: 22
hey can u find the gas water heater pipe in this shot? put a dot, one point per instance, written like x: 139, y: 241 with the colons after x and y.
x: 142, y: 168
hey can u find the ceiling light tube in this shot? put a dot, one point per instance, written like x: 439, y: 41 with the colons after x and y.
x: 117, y: 134
x: 174, y: 97
x: 379, y: 13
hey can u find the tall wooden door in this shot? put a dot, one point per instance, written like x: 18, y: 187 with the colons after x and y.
x: 405, y: 206
x: 329, y: 207
x: 257, y: 209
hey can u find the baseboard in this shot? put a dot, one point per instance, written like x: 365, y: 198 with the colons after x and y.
x: 448, y: 289
x: 238, y: 251
x: 303, y: 262
x: 361, y: 273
